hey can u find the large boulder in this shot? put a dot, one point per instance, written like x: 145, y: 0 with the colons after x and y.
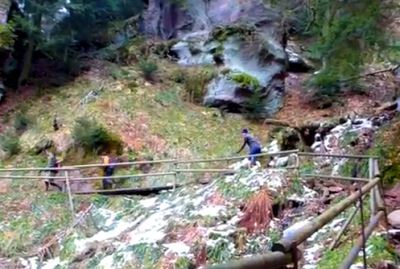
x: 394, y: 219
x: 297, y: 62
x: 4, y: 9
x: 165, y: 18
x: 245, y: 39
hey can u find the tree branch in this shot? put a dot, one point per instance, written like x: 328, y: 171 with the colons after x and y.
x: 392, y: 69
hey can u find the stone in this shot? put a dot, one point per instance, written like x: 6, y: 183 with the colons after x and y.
x: 297, y: 63
x: 5, y: 6
x: 335, y: 189
x: 394, y: 219
x: 63, y: 141
x: 242, y: 37
x: 42, y: 145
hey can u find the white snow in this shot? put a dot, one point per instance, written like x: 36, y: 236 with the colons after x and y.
x: 150, y: 202
x: 151, y: 230
x: 211, y: 211
x: 179, y: 248
x: 53, y: 263
x: 120, y: 227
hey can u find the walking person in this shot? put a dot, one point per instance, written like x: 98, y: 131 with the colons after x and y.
x: 52, y: 163
x: 253, y: 144
x: 108, y: 171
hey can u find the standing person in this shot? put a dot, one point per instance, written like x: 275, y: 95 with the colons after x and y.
x: 56, y: 125
x: 253, y: 144
x: 52, y: 163
x: 108, y: 171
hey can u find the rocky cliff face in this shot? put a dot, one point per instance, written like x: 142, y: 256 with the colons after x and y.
x: 4, y: 8
x: 245, y: 39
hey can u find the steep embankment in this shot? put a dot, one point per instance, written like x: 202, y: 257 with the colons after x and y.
x: 153, y: 105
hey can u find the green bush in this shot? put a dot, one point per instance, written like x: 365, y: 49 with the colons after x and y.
x: 178, y: 75
x: 7, y: 36
x: 195, y: 82
x: 93, y: 137
x: 148, y: 69
x: 21, y: 122
x: 10, y: 144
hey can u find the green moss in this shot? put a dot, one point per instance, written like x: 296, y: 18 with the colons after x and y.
x: 147, y: 254
x: 380, y: 250
x: 332, y: 259
x: 221, y: 34
x: 387, y: 147
x: 220, y: 252
x: 245, y: 80
x: 182, y: 263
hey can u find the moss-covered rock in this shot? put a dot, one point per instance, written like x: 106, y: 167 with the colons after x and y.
x: 245, y: 80
x: 244, y: 32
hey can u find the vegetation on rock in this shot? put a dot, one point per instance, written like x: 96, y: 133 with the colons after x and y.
x: 245, y: 80
x: 95, y: 138
x: 244, y: 32
x: 10, y: 144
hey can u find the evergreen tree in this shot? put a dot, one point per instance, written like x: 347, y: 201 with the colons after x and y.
x: 83, y: 27
x: 347, y: 33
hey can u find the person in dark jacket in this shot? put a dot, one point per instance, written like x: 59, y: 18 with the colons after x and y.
x: 52, y: 163
x: 253, y: 144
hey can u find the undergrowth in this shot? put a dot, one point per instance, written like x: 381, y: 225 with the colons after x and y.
x: 10, y: 144
x: 93, y: 137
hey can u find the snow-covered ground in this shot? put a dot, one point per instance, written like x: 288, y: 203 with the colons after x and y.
x: 201, y: 223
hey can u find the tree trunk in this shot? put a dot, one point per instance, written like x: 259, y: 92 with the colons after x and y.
x: 27, y: 63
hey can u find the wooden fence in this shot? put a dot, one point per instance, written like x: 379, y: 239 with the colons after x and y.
x: 285, y: 251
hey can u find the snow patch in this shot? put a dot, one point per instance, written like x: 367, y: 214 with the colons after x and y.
x: 179, y: 248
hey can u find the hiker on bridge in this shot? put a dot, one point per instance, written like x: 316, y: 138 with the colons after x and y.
x: 253, y: 144
x: 52, y: 163
x: 108, y: 171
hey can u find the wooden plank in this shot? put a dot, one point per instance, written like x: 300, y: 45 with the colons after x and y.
x: 348, y: 156
x: 335, y: 177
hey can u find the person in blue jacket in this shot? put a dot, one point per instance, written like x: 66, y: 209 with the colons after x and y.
x: 253, y: 144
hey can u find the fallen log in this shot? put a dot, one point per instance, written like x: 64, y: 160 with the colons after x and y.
x: 131, y: 191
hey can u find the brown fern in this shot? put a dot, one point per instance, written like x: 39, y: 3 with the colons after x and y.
x: 257, y: 212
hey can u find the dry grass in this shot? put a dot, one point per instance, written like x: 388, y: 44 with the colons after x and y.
x: 257, y: 212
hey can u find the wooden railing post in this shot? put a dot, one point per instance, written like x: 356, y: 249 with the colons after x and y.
x: 71, y: 203
x: 175, y: 174
x: 379, y: 198
x: 372, y: 193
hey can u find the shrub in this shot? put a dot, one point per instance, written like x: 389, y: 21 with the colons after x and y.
x: 168, y: 97
x: 178, y: 75
x: 195, y: 82
x: 254, y: 109
x: 7, y: 36
x: 21, y: 122
x: 93, y: 137
x: 10, y: 144
x: 245, y: 80
x: 148, y: 69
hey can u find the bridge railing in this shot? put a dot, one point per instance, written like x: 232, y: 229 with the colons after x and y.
x: 285, y: 251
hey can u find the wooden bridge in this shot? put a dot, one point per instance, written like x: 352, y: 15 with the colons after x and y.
x: 285, y: 252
